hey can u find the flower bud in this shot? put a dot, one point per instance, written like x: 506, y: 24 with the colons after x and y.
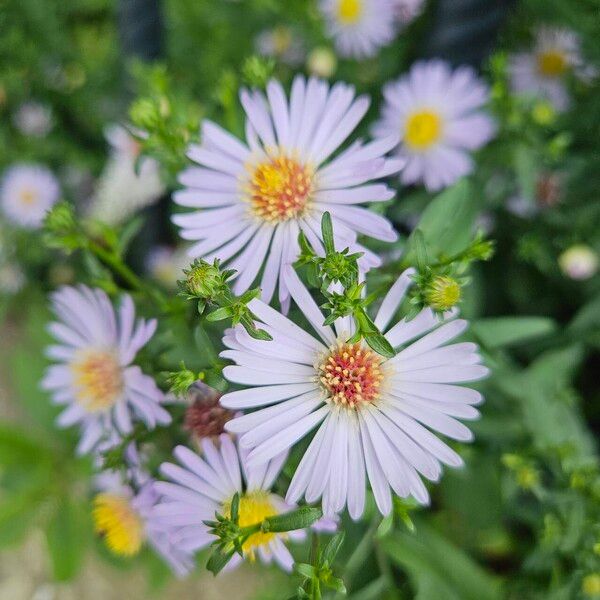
x: 579, y: 262
x: 321, y: 62
x: 443, y: 293
x: 590, y: 585
x: 543, y: 113
x: 203, y: 280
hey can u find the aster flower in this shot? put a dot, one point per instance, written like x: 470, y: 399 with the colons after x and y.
x: 94, y: 378
x: 27, y: 193
x: 437, y: 112
x: 202, y: 486
x: 33, y: 119
x: 406, y: 11
x: 281, y: 43
x: 373, y: 414
x: 359, y: 27
x: 256, y: 197
x: 125, y: 519
x: 541, y: 72
x: 122, y: 190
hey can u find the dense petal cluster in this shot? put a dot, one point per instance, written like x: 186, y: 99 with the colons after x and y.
x: 374, y: 415
x: 205, y: 485
x: 437, y: 112
x: 27, y: 192
x: 94, y: 378
x: 254, y: 198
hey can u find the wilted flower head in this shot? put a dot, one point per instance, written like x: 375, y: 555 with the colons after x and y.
x: 205, y: 417
x: 94, y: 378
x: 34, y: 119
x: 205, y: 485
x: 579, y: 262
x: 438, y: 112
x: 121, y: 190
x: 27, y: 192
x: 359, y: 28
x: 541, y: 73
x: 373, y: 414
x: 252, y: 199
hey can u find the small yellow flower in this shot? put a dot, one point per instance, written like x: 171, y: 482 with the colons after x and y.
x: 443, y: 293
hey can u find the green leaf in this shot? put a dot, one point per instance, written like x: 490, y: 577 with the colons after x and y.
x: 17, y: 448
x: 300, y: 518
x: 304, y: 570
x: 218, y: 559
x: 128, y: 233
x: 220, y: 314
x: 333, y: 547
x: 327, y: 232
x: 18, y: 512
x: 420, y: 249
x: 438, y: 569
x: 379, y: 343
x: 66, y: 537
x: 497, y: 332
x: 448, y: 221
x: 526, y: 169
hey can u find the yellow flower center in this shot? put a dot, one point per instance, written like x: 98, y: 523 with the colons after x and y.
x: 280, y: 189
x: 551, y: 63
x: 98, y: 379
x: 423, y: 129
x: 443, y: 293
x: 27, y: 197
x: 349, y: 11
x: 118, y: 523
x: 351, y: 374
x: 254, y: 508
x: 282, y: 40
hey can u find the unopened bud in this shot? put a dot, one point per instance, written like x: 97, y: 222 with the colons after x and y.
x: 203, y: 280
x: 205, y: 417
x: 579, y: 262
x: 321, y: 62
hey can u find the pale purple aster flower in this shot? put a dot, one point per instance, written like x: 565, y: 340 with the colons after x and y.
x: 34, y: 119
x: 94, y: 378
x: 255, y: 197
x: 373, y: 415
x: 281, y: 43
x: 359, y: 28
x: 27, y: 192
x: 437, y: 112
x: 124, y: 515
x: 541, y: 72
x: 202, y: 486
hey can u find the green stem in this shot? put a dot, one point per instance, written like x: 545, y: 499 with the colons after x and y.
x: 203, y: 337
x: 116, y: 264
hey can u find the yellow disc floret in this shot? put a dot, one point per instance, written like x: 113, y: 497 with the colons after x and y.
x: 98, y: 379
x: 118, y: 523
x: 552, y: 63
x: 280, y: 189
x: 351, y: 374
x: 349, y: 11
x: 423, y: 129
x: 254, y: 508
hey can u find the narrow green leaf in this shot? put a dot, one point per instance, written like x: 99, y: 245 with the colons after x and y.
x: 218, y: 560
x: 300, y: 518
x: 497, y: 332
x: 327, y: 232
x: 333, y: 547
x: 380, y: 344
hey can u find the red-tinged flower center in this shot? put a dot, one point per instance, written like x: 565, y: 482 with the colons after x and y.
x: 280, y: 189
x: 98, y: 379
x: 351, y: 374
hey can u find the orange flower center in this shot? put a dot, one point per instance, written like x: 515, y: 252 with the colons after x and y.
x: 351, y: 374
x: 280, y: 189
x: 98, y: 378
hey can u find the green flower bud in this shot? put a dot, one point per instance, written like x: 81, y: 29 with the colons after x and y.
x: 203, y: 280
x: 543, y: 113
x: 443, y: 293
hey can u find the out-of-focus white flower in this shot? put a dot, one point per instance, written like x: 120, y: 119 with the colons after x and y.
x: 438, y: 113
x: 579, y: 262
x: 281, y: 43
x: 541, y: 72
x: 27, y: 193
x: 166, y: 264
x: 120, y: 191
x: 406, y: 11
x: 94, y: 379
x: 359, y: 28
x: 33, y: 119
x: 12, y: 279
x: 321, y: 62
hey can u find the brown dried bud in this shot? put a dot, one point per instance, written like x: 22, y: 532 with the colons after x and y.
x: 548, y: 190
x: 205, y: 417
